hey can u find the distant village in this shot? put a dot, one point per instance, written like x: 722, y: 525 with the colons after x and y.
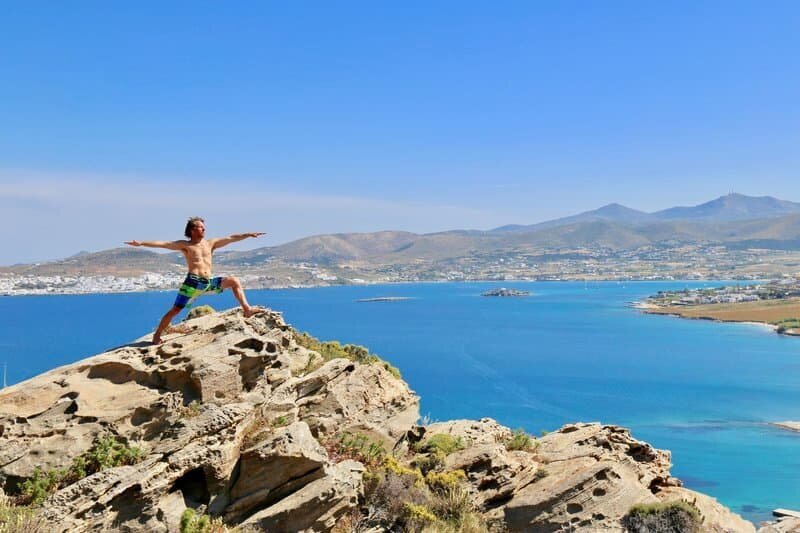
x: 676, y: 261
x: 773, y: 290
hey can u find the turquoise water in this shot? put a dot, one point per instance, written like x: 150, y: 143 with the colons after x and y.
x: 570, y: 352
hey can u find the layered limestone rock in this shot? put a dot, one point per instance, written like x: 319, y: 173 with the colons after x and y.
x: 203, y: 408
x: 235, y: 420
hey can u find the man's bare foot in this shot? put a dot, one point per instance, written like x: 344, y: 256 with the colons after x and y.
x: 157, y: 340
x: 254, y: 310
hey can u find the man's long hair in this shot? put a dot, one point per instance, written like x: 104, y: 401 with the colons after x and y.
x: 190, y: 226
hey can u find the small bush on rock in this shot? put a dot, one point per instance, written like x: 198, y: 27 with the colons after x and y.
x: 428, y: 462
x: 333, y: 350
x: 106, y: 452
x: 520, y: 440
x: 355, y: 446
x: 442, y: 443
x: 443, y: 481
x: 191, y: 522
x: 199, y: 311
x: 666, y: 517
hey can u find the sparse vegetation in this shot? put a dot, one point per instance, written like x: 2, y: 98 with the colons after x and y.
x: 191, y: 522
x: 428, y: 462
x: 400, y: 498
x: 443, y: 481
x: 200, y: 310
x: 280, y: 421
x: 442, y: 443
x: 333, y: 350
x: 106, y: 452
x: 678, y: 516
x: 357, y: 447
x: 190, y: 411
x: 786, y: 324
x: 20, y: 518
x: 254, y: 432
x: 520, y: 440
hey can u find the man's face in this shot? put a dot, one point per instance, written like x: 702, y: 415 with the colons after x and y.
x: 198, y: 230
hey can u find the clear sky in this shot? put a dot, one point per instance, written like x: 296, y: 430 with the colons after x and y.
x: 118, y: 120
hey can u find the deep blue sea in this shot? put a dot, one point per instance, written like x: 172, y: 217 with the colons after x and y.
x: 569, y: 352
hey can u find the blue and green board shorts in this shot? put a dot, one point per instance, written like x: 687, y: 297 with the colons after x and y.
x: 193, y: 286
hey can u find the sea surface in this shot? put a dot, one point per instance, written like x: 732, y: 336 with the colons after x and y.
x: 569, y: 352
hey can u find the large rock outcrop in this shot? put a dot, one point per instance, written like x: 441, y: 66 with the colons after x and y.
x: 203, y: 408
x: 236, y: 420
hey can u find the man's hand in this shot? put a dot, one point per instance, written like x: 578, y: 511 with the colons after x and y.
x: 255, y: 234
x: 133, y: 243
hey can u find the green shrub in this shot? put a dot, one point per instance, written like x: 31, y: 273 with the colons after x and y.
x: 106, y: 452
x: 519, y: 440
x: 441, y: 443
x: 678, y: 516
x: 280, y: 421
x: 442, y: 481
x: 357, y: 447
x: 191, y: 522
x: 199, y: 311
x: 428, y: 462
x: 41, y: 484
x: 417, y: 515
x: 333, y: 350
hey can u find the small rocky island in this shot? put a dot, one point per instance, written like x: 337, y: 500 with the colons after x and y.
x: 502, y: 291
x: 385, y: 299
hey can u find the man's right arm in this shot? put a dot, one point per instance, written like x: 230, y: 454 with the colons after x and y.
x: 169, y: 245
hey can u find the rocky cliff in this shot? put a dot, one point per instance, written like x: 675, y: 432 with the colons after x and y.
x: 236, y: 420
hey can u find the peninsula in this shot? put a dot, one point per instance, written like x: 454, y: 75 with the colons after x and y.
x: 775, y: 304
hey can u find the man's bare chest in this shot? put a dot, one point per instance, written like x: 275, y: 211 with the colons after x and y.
x: 198, y: 253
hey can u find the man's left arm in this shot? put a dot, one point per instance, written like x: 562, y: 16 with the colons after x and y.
x: 224, y: 241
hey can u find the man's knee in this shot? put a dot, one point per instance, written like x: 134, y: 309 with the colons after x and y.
x: 231, y: 281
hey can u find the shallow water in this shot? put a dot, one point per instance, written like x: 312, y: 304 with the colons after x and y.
x: 570, y: 352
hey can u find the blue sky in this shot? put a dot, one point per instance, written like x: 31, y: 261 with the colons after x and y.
x: 119, y: 120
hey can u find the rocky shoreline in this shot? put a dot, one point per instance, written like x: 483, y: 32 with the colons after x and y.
x: 247, y: 423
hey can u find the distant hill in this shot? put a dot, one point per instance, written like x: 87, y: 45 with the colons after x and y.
x: 116, y: 261
x: 610, y: 212
x: 723, y: 209
x: 731, y: 207
x: 734, y: 220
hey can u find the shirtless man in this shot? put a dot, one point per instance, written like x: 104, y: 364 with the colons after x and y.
x: 198, y: 251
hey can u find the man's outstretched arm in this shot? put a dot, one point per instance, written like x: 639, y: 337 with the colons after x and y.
x: 169, y: 245
x: 224, y: 241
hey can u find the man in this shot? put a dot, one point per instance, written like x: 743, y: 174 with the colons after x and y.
x: 197, y: 251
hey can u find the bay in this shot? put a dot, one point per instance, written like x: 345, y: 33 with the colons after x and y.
x: 569, y: 352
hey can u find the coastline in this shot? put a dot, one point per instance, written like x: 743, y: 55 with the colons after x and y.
x: 762, y: 314
x: 787, y: 425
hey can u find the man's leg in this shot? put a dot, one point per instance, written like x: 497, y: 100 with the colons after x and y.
x: 165, y: 322
x: 233, y: 283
